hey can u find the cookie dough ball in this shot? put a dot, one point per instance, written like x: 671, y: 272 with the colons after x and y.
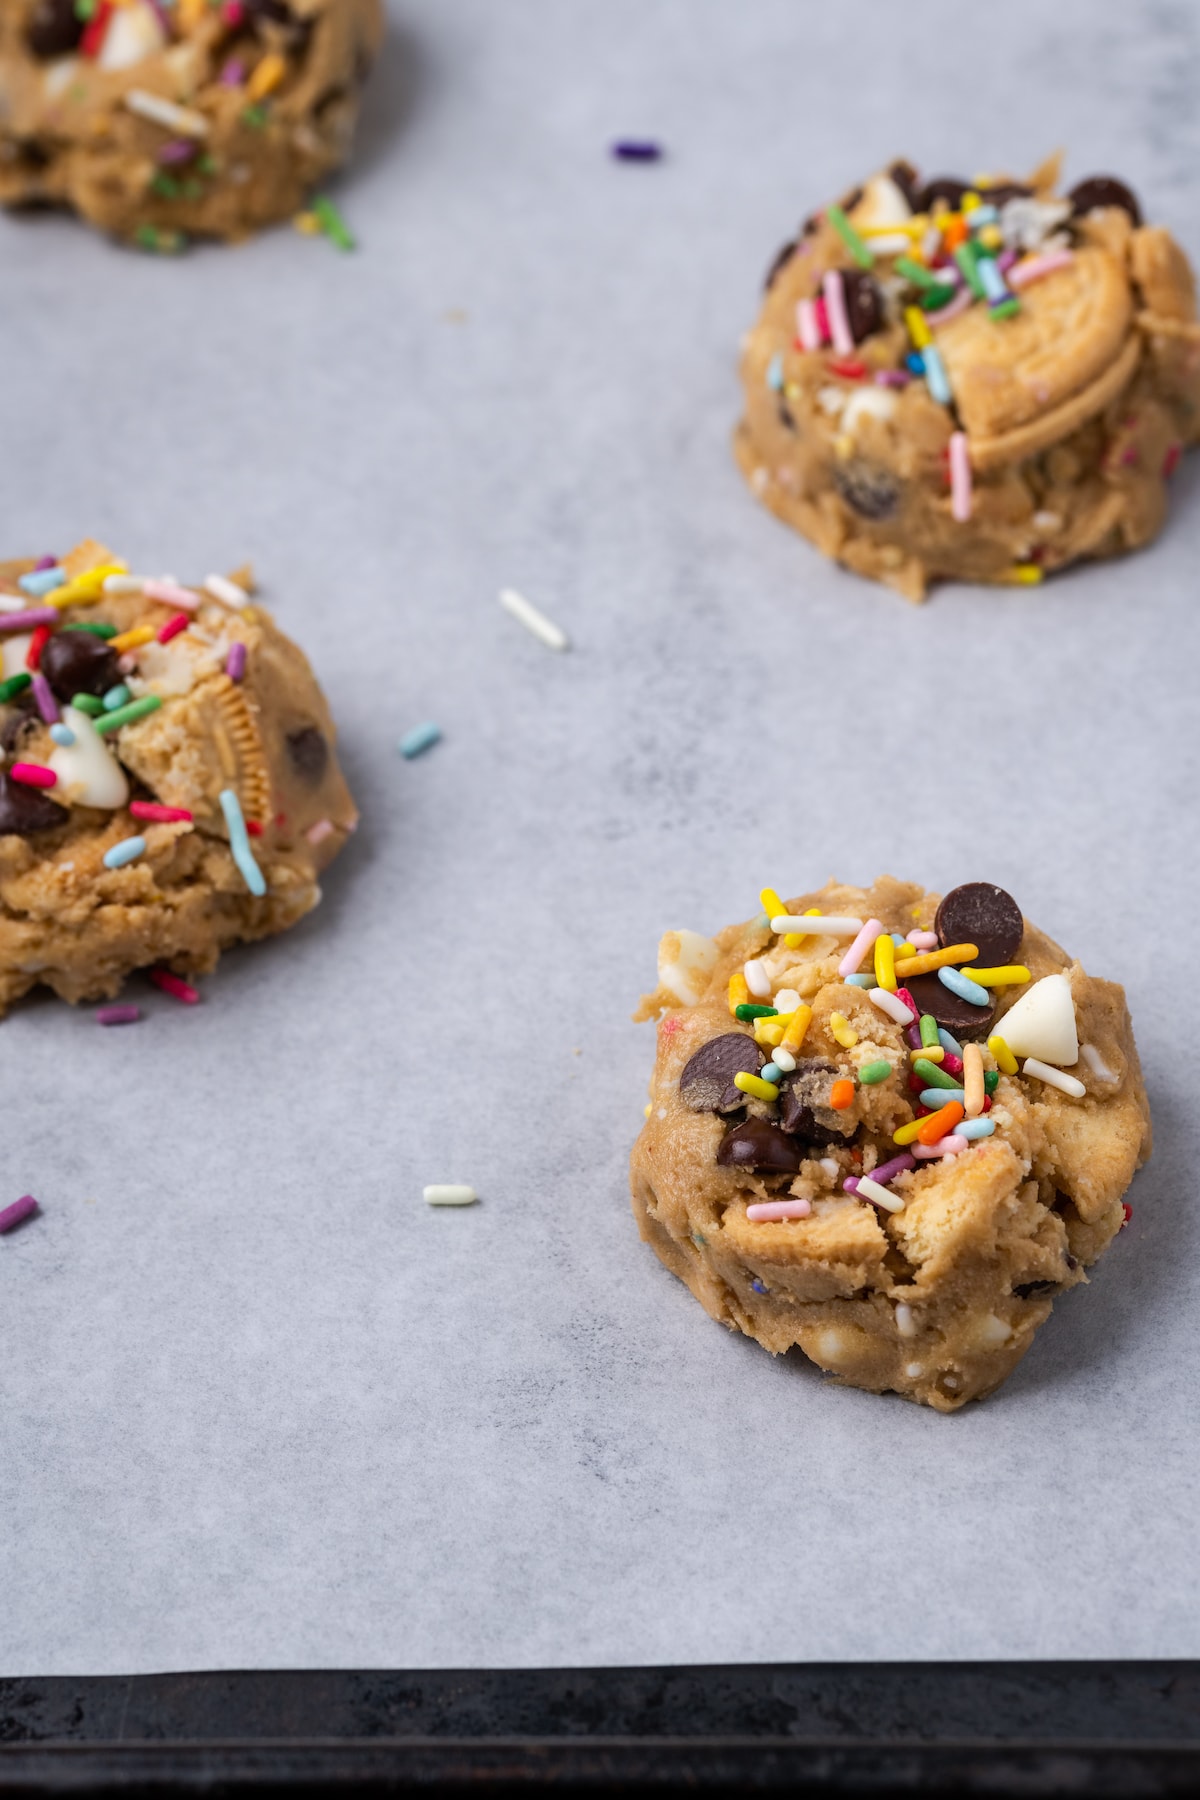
x: 169, y: 780
x: 199, y: 118
x: 889, y: 1136
x: 979, y: 381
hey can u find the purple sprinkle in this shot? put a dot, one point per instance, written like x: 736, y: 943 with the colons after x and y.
x: 177, y: 150
x: 913, y: 1035
x: 636, y: 150
x: 46, y: 704
x: 45, y: 562
x: 233, y: 74
x: 884, y: 1173
x: 118, y: 1015
x: 20, y: 1209
x: 235, y: 662
x: 892, y: 378
x: 29, y: 621
x: 850, y: 1185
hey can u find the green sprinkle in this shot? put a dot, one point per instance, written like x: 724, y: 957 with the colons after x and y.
x: 849, y: 236
x: 207, y: 165
x: 913, y: 271
x: 16, y: 684
x: 84, y: 9
x: 162, y: 243
x: 929, y: 1036
x: 93, y: 627
x: 934, y: 297
x: 967, y: 258
x: 749, y: 1011
x: 165, y: 186
x: 872, y: 1072
x: 125, y: 715
x: 931, y: 1075
x: 332, y: 223
x: 88, y: 703
x: 255, y: 116
x: 1006, y: 309
x: 991, y: 1080
x: 192, y: 190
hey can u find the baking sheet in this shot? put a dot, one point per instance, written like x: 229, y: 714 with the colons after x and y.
x: 259, y: 1406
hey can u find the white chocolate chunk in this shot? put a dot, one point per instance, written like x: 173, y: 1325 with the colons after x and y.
x: 685, y: 962
x: 88, y: 772
x: 133, y: 33
x: 991, y: 1332
x: 1042, y: 1023
x: 868, y: 402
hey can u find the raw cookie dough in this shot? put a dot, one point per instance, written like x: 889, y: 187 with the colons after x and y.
x: 1042, y: 427
x: 933, y: 1284
x: 196, y: 118
x: 222, y: 720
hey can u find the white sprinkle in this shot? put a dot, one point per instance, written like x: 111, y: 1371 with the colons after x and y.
x: 783, y: 1059
x: 165, y: 112
x: 449, y: 1194
x: 906, y: 1325
x: 14, y: 602
x: 950, y: 1381
x: 912, y: 1370
x: 766, y: 1210
x: 1053, y: 1077
x: 1096, y: 1063
x: 817, y: 925
x: 871, y: 1190
x: 757, y: 979
x: 533, y: 620
x: 226, y: 591
x: 889, y: 1004
x: 125, y: 584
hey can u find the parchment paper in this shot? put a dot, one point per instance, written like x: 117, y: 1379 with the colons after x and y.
x: 259, y: 1405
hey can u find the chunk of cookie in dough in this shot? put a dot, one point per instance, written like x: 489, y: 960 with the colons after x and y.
x: 169, y: 785
x: 844, y: 1150
x: 974, y: 381
x: 159, y: 123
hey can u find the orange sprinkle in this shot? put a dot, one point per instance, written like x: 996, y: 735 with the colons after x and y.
x: 954, y: 232
x: 841, y: 1095
x: 940, y: 1123
x: 267, y: 76
x: 739, y: 993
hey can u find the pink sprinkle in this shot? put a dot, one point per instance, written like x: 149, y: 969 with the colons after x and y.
x: 233, y: 12
x: 834, y: 289
x: 947, y: 1146
x: 807, y: 329
x: 952, y: 1064
x: 1005, y: 261
x: 765, y: 1210
x: 234, y: 73
x: 906, y: 999
x: 177, y: 150
x: 893, y: 378
x: 171, y: 594
x: 162, y: 815
x: 118, y: 1015
x: 852, y: 961
x: 173, y: 627
x: 959, y: 304
x: 316, y: 834
x: 20, y: 1209
x: 235, y: 662
x: 175, y: 986
x: 33, y: 775
x: 1171, y: 460
x: 923, y: 940
x: 45, y: 562
x: 1034, y: 267
x: 128, y: 662
x: 960, y: 477
x: 43, y: 699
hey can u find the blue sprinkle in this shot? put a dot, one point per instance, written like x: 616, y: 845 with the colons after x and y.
x: 949, y: 1043
x: 771, y: 1072
x: 939, y: 1097
x: 898, y: 940
x: 991, y: 280
x: 62, y: 734
x: 42, y: 581
x: 862, y: 981
x: 762, y: 921
x: 964, y: 987
x: 421, y: 737
x: 983, y: 215
x: 759, y: 1287
x: 775, y: 371
x: 127, y: 851
x: 117, y: 696
x: 935, y: 375
x: 975, y: 1128
x: 916, y: 362
x: 239, y: 843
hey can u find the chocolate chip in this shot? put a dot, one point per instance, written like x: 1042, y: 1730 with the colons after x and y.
x: 804, y: 1109
x: 757, y: 1144
x: 24, y: 810
x: 21, y: 722
x: 76, y: 662
x: 1028, y: 1289
x: 999, y: 193
x: 849, y: 201
x: 1104, y: 190
x: 943, y: 187
x: 268, y: 15
x: 785, y: 416
x: 956, y: 1016
x: 309, y: 753
x: 782, y: 258
x: 706, y: 1084
x: 864, y: 303
x: 982, y: 914
x: 54, y: 28
x: 869, y: 491
x: 907, y: 180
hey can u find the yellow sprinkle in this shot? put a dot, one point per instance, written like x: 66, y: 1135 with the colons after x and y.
x: 1011, y: 975
x: 771, y: 904
x: 905, y: 949
x: 939, y: 959
x: 931, y: 1052
x: 267, y: 76
x: 907, y: 228
x: 918, y: 330
x: 970, y: 201
x: 646, y: 1110
x: 794, y: 939
x: 800, y: 1020
x: 885, y: 962
x: 751, y: 1084
x: 1023, y: 575
x: 907, y: 1134
x: 739, y: 993
x: 129, y: 640
x: 843, y: 1031
x: 1006, y: 1062
x: 86, y: 587
x: 768, y: 1033
x: 308, y: 223
x: 972, y: 1060
x: 991, y: 237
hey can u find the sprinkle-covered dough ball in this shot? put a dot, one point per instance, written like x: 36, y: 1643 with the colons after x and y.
x: 980, y: 382
x: 842, y: 1151
x: 161, y: 122
x: 169, y: 784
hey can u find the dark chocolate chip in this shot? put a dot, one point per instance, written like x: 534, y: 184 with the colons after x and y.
x: 757, y: 1144
x: 76, y: 662
x: 24, y: 810
x: 268, y: 14
x: 999, y: 193
x: 706, y: 1084
x: 785, y: 416
x: 956, y: 1016
x: 864, y: 303
x: 982, y: 914
x: 811, y: 225
x: 1104, y: 190
x: 868, y: 491
x: 849, y: 201
x: 907, y: 180
x: 309, y: 753
x: 782, y: 258
x: 943, y: 187
x: 804, y: 1109
x: 54, y: 28
x: 1028, y: 1289
x: 22, y: 720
